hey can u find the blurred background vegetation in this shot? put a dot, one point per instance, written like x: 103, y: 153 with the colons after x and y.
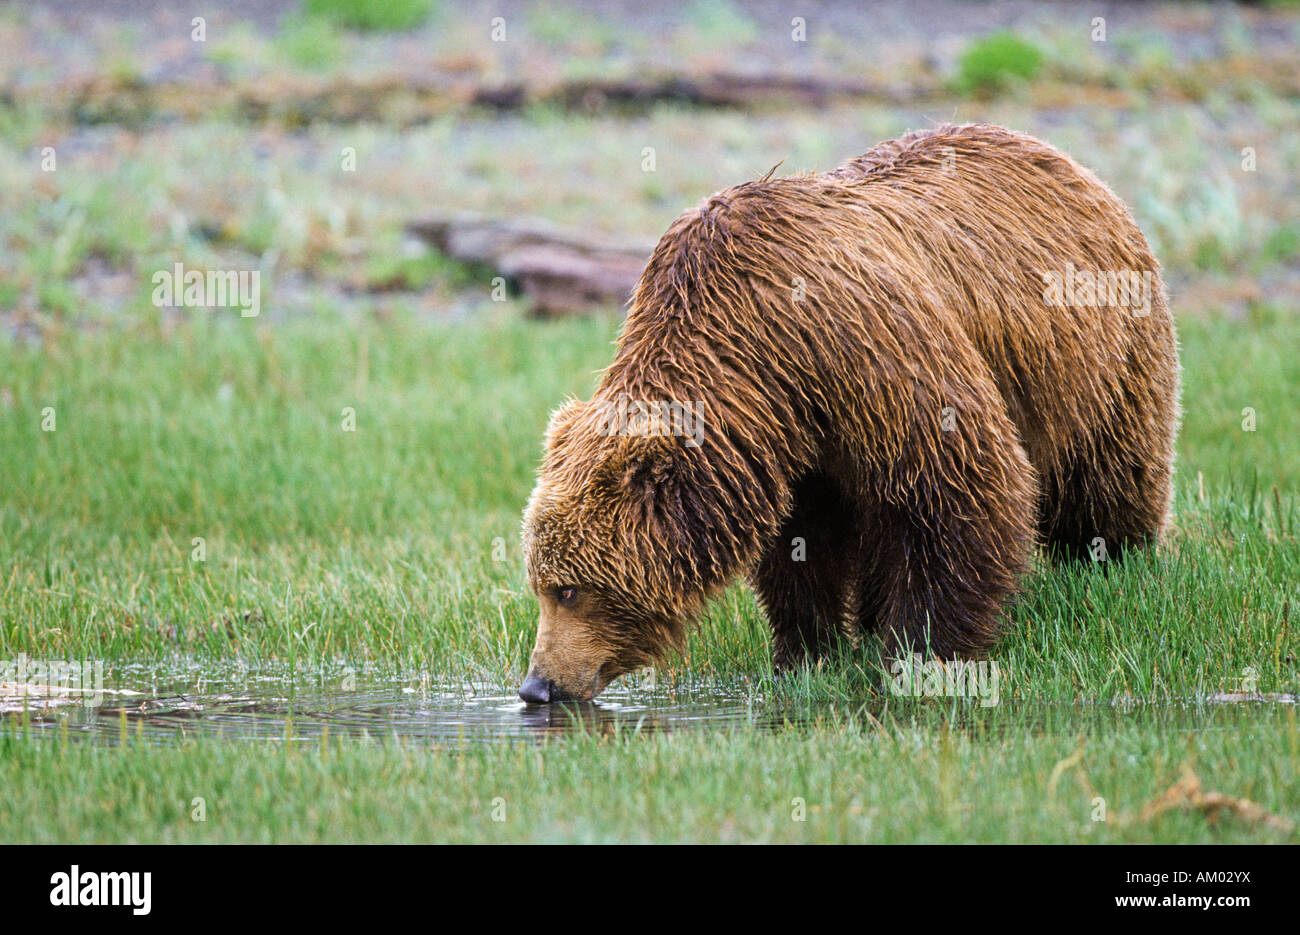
x: 222, y: 145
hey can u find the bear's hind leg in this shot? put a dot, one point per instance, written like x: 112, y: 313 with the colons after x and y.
x: 804, y: 580
x: 1099, y: 505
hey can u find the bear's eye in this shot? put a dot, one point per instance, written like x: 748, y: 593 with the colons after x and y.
x: 567, y: 594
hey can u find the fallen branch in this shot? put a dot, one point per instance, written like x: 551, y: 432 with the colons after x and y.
x: 297, y: 100
x: 1186, y: 794
x: 559, y: 272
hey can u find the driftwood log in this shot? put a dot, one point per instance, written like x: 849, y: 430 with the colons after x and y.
x: 412, y: 99
x: 722, y: 89
x: 559, y: 272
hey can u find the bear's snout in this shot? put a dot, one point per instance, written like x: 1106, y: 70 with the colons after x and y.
x: 569, y: 663
x: 537, y: 690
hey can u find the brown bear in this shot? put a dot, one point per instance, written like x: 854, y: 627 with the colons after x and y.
x: 870, y: 392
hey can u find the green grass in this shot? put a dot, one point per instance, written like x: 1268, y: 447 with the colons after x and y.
x: 720, y: 22
x: 375, y: 549
x: 910, y: 778
x: 372, y: 15
x: 389, y: 268
x: 311, y: 42
x: 376, y: 544
x: 993, y: 62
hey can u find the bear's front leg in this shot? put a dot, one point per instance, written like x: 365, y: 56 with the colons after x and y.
x: 804, y: 579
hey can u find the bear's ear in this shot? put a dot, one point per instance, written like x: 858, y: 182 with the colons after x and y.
x: 669, y: 495
x: 562, y: 433
x: 563, y: 419
x: 643, y: 463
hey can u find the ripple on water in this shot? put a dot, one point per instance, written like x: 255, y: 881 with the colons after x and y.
x: 266, y: 703
x: 175, y: 701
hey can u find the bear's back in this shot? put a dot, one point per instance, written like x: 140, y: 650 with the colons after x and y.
x: 1006, y: 221
x: 919, y: 262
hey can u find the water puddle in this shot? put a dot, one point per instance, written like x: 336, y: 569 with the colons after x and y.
x: 238, y: 703
x: 167, y: 702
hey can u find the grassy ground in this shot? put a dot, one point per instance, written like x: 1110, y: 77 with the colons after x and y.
x: 324, y: 544
x: 396, y: 545
x: 909, y: 781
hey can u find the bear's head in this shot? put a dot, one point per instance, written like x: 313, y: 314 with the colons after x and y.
x: 616, y: 541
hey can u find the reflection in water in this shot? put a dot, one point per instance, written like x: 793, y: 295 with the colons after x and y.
x: 164, y: 705
x: 253, y: 704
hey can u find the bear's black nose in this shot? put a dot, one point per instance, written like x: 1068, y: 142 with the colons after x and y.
x: 537, y: 690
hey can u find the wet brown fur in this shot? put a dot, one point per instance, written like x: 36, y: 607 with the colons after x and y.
x: 923, y: 267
